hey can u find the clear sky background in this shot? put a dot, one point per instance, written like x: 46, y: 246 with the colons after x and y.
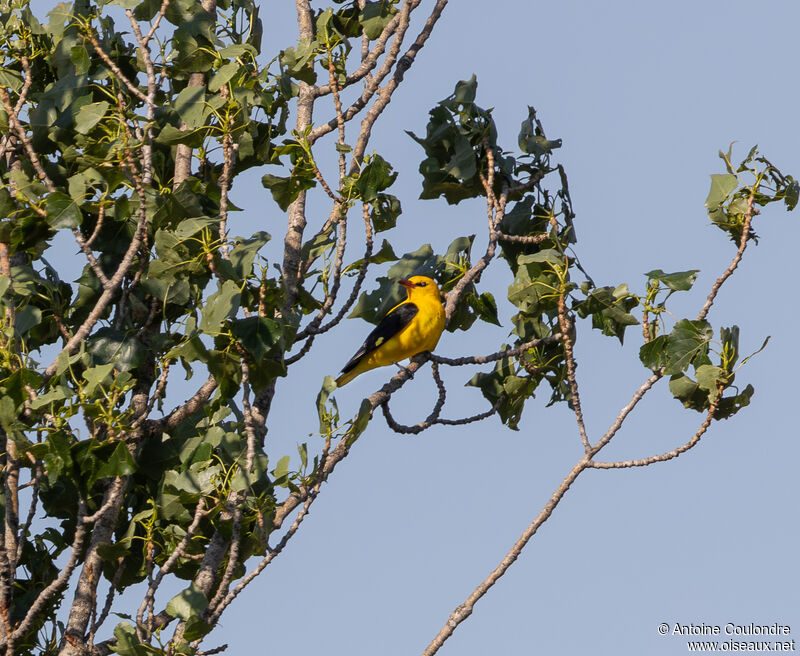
x: 643, y: 95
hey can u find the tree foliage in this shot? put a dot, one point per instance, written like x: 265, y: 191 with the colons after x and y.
x: 129, y: 143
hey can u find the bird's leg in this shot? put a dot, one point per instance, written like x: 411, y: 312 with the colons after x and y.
x: 406, y: 369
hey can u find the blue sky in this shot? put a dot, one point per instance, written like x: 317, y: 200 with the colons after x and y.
x: 643, y: 96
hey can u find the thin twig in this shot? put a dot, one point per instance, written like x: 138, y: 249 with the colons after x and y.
x: 115, y: 69
x: 312, y: 329
x: 166, y: 568
x: 117, y: 488
x: 523, y: 239
x: 565, y: 324
x: 397, y: 28
x: 98, y: 622
x: 663, y: 457
x: 55, y: 586
x: 493, y: 357
x: 748, y: 219
x: 464, y: 610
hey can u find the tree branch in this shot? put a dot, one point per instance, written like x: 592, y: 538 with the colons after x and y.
x: 748, y: 219
x: 463, y: 611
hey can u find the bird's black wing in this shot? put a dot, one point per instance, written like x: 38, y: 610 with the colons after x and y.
x: 389, y: 326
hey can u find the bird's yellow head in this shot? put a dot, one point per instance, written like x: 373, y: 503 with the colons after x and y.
x: 421, y: 287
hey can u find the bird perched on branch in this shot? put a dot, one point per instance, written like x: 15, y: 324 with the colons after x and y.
x: 411, y: 327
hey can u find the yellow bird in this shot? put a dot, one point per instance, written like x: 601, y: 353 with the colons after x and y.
x: 413, y: 326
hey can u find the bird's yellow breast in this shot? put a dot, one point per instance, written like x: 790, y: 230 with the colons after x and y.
x: 422, y: 334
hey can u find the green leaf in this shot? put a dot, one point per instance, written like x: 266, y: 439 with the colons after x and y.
x: 223, y: 76
x: 125, y: 4
x: 385, y: 254
x: 376, y: 176
x: 195, y: 628
x: 679, y: 281
x: 121, y: 463
x: 189, y: 227
x: 258, y: 335
x: 610, y: 310
x: 548, y: 255
x: 188, y: 603
x: 318, y: 245
x: 11, y: 79
x: 710, y: 378
x: 285, y: 190
x: 722, y: 186
x: 360, y: 422
x: 688, y: 344
x: 486, y: 307
x: 191, y: 106
x: 127, y: 644
x: 385, y: 211
x: 108, y: 345
x: 90, y: 115
x: 96, y: 377
x: 62, y: 211
x: 245, y: 251
x: 791, y: 194
x: 171, y: 136
x: 111, y: 552
x: 299, y: 62
x: 328, y: 386
x: 375, y: 16
x: 688, y: 392
x: 220, y: 306
x: 282, y: 468
x: 514, y: 390
x: 729, y: 406
x: 198, y: 479
x: 462, y: 165
x: 653, y: 354
x: 465, y: 92
x: 27, y: 318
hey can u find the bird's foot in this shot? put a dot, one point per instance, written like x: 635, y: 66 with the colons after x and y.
x: 406, y: 369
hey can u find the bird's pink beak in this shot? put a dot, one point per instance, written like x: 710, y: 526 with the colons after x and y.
x: 406, y: 283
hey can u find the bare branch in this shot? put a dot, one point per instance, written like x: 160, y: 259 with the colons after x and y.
x: 433, y: 418
x: 166, y: 568
x: 33, y: 158
x: 369, y: 59
x: 192, y: 405
x: 493, y: 357
x: 55, y: 586
x: 565, y: 324
x: 312, y: 330
x: 663, y: 457
x: 496, y: 213
x: 463, y: 611
x: 116, y: 490
x: 109, y: 291
x: 233, y: 560
x: 23, y: 533
x: 385, y: 94
x: 397, y: 27
x: 523, y: 239
x: 115, y: 69
x: 98, y: 622
x: 156, y: 23
x: 748, y: 219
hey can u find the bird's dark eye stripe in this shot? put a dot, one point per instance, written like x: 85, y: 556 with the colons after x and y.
x: 421, y: 284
